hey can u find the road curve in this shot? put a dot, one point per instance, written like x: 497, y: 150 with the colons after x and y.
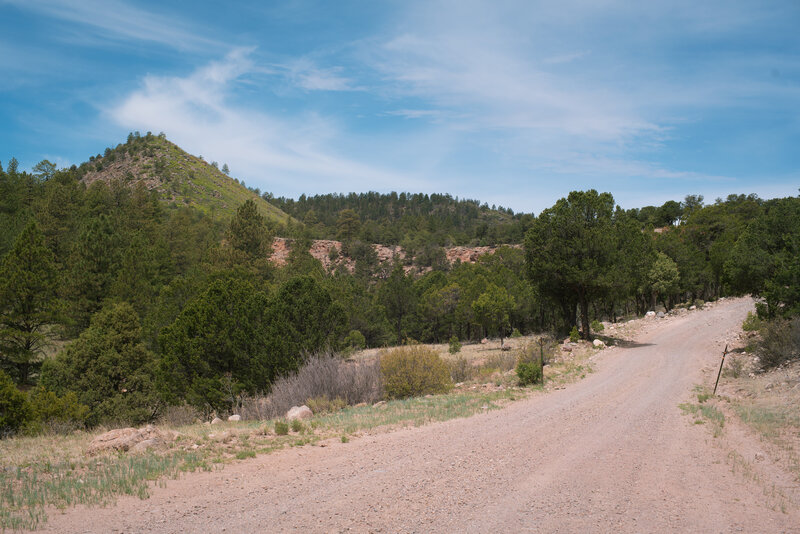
x: 611, y: 453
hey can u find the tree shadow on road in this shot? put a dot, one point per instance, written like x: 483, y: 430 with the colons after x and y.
x: 624, y: 343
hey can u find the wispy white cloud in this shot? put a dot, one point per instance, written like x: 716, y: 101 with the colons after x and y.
x: 116, y: 20
x: 564, y: 58
x: 307, y: 75
x: 291, y: 155
x: 578, y: 88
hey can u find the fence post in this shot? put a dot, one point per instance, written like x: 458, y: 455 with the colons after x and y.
x: 724, y: 353
x: 541, y: 357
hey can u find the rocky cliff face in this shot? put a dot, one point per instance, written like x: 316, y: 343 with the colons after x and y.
x: 321, y: 250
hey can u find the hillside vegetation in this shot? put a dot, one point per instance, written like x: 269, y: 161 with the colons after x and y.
x: 178, y: 177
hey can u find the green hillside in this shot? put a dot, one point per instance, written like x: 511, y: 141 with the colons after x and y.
x: 180, y: 178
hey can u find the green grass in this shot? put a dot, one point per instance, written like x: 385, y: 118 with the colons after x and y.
x: 706, y: 413
x: 413, y: 412
x: 26, y: 490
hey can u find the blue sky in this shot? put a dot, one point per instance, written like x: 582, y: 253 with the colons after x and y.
x: 514, y: 103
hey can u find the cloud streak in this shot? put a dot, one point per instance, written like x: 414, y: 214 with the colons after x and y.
x: 115, y: 20
x: 197, y: 113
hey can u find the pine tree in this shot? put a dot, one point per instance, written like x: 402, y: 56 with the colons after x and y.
x: 28, y: 303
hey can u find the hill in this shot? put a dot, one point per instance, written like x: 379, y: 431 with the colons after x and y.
x: 180, y: 178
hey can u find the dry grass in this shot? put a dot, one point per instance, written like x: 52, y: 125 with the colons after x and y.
x: 768, y: 404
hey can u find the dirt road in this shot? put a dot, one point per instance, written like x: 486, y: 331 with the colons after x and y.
x: 612, y: 453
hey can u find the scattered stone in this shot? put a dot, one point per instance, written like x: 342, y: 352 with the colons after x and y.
x: 216, y: 421
x: 127, y: 439
x: 381, y: 403
x: 651, y: 313
x: 759, y: 457
x: 598, y: 343
x: 660, y: 315
x: 484, y: 341
x: 485, y: 407
x: 692, y: 307
x: 299, y: 412
x: 235, y: 418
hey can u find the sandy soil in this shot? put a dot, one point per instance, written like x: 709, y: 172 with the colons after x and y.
x: 611, y: 453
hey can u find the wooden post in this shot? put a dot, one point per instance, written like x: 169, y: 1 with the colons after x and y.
x: 724, y: 353
x: 541, y: 357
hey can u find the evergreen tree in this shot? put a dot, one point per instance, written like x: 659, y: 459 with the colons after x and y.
x: 109, y: 368
x: 492, y: 309
x: 572, y: 249
x: 224, y: 342
x: 28, y: 303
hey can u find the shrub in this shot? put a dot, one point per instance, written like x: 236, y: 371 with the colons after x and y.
x: 503, y: 361
x: 597, y: 326
x: 180, y: 415
x: 574, y: 335
x: 323, y: 404
x: 735, y: 367
x: 752, y: 323
x: 460, y: 370
x: 529, y: 373
x: 414, y: 370
x: 281, y: 428
x: 14, y: 408
x: 531, y: 352
x: 323, y: 375
x: 455, y: 345
x: 516, y: 333
x: 780, y: 342
x: 53, y: 414
x: 355, y: 340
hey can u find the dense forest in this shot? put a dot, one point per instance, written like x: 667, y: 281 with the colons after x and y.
x: 411, y: 220
x: 115, y: 303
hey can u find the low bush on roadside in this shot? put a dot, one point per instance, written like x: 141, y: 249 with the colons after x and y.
x: 322, y: 405
x: 414, y: 370
x: 529, y: 373
x: 597, y: 326
x: 734, y: 367
x: 281, y: 428
x: 323, y: 375
x: 516, y: 333
x: 780, y: 342
x: 752, y: 323
x: 297, y: 425
x: 574, y: 335
x: 460, y: 370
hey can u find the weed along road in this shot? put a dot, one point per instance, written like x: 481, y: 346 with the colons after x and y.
x: 611, y: 453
